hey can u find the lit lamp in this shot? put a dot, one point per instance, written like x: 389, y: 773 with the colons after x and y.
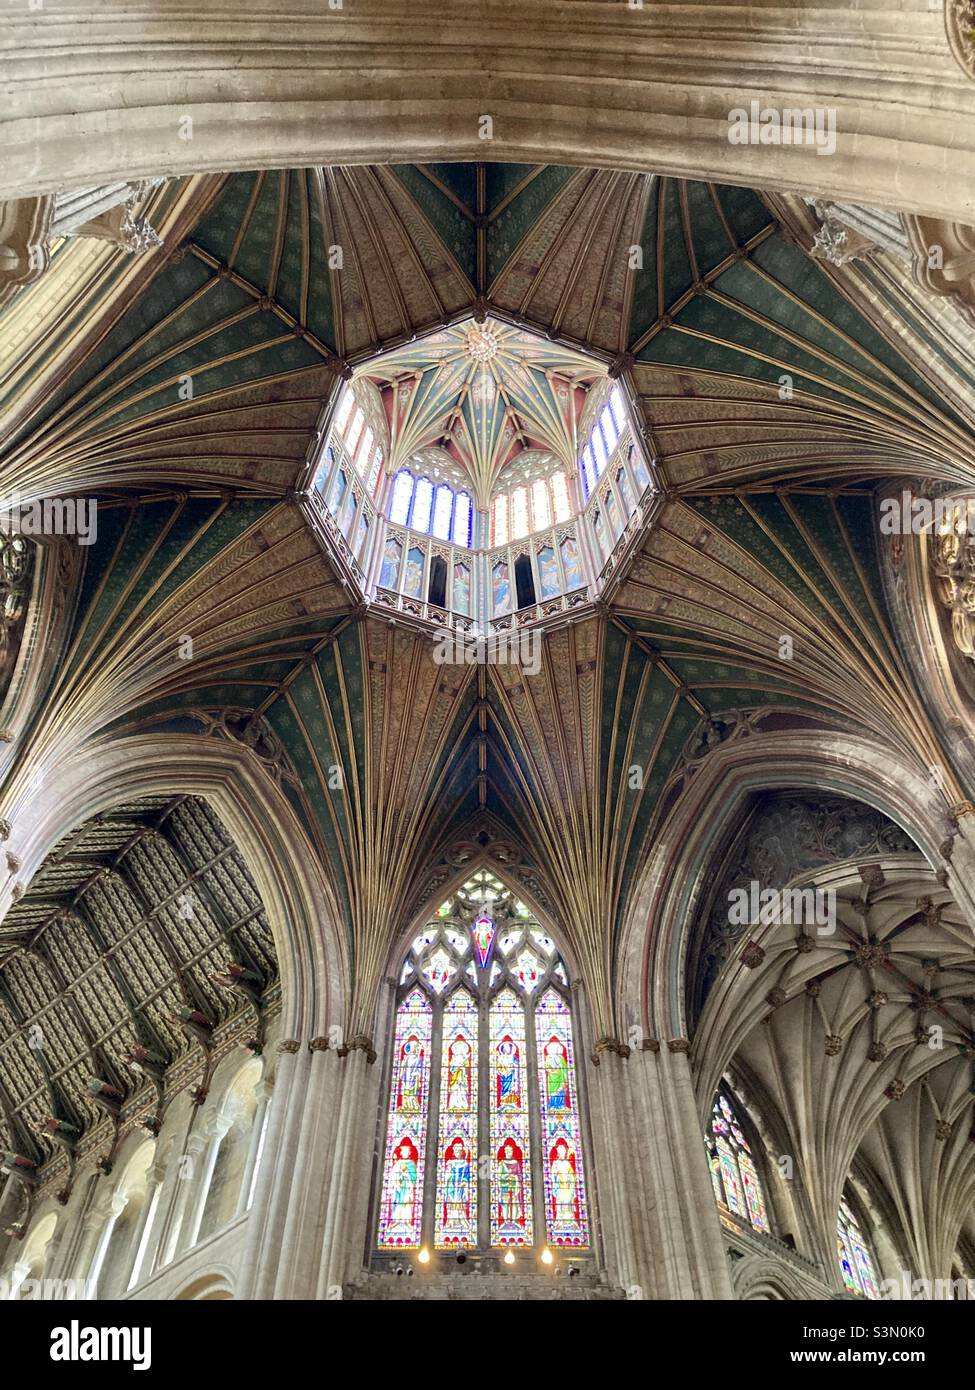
x: 546, y: 1256
x: 509, y: 1257
x: 424, y: 1256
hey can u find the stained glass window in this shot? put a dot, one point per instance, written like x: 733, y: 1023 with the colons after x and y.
x: 355, y: 429
x: 344, y: 411
x: 365, y: 449
x: 541, y: 505
x: 853, y: 1252
x: 500, y: 520
x: 519, y: 513
x: 511, y: 1199
x: 373, y: 480
x: 455, y: 1221
x: 566, y: 1219
x: 560, y: 497
x: 588, y: 470
x: 735, y: 1179
x: 406, y: 1130
x: 599, y: 450
x: 604, y: 436
x: 483, y: 1081
x: 443, y: 510
x: 461, y: 534
x: 422, y: 503
x: 399, y: 508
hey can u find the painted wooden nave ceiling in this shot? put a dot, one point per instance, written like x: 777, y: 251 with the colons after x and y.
x: 767, y: 525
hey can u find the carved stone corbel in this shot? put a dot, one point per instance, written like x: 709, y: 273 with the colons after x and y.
x: 960, y: 28
x: 943, y: 259
x: 25, y: 225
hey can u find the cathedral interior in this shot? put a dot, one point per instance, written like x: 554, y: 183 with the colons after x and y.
x: 487, y: 747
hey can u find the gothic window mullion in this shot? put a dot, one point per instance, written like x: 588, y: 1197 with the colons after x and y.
x: 432, y: 1164
x: 483, y: 1122
x: 535, y: 1131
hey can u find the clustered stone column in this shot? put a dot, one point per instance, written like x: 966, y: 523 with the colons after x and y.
x: 658, y: 1218
x: 307, y: 1228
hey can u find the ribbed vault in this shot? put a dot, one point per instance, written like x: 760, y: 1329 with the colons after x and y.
x: 863, y: 1031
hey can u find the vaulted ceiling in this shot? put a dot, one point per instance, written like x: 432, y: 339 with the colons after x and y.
x: 488, y: 394
x: 112, y: 952
x: 772, y: 404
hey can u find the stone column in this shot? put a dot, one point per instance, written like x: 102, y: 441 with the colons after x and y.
x: 307, y: 1229
x: 298, y: 1094
x: 262, y: 1091
x: 214, y: 1135
x: 154, y: 1182
x: 118, y: 1204
x: 624, y: 1211
x: 187, y: 1177
x: 345, y: 1232
x: 53, y: 1250
x: 173, y: 1183
x: 661, y: 1230
x: 92, y: 1225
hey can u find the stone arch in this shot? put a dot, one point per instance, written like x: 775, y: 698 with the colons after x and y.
x: 56, y: 566
x: 292, y: 884
x: 211, y: 1287
x: 829, y: 1022
x: 654, y: 936
x: 945, y: 676
x: 649, y: 88
x: 757, y: 1277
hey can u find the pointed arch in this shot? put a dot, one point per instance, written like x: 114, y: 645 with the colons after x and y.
x: 483, y: 1143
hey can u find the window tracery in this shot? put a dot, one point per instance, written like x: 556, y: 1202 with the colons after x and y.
x: 853, y: 1251
x: 439, y: 511
x: 734, y: 1176
x: 483, y: 1144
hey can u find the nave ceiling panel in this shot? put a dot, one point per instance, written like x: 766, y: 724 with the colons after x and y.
x: 117, y: 938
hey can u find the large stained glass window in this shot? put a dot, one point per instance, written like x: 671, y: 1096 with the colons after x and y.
x: 736, y: 1183
x: 853, y: 1252
x: 484, y: 1142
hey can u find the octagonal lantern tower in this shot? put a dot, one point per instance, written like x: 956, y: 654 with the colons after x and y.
x: 481, y: 478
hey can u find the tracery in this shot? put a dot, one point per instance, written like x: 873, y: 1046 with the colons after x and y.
x: 483, y: 1142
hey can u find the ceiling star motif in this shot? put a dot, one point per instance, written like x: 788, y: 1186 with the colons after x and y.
x: 486, y: 392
